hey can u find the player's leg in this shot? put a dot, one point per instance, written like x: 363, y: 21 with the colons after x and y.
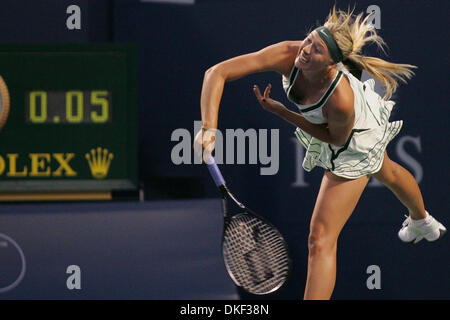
x: 420, y: 224
x: 335, y: 203
x: 402, y: 183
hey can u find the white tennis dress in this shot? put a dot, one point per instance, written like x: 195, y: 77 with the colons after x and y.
x: 363, y: 153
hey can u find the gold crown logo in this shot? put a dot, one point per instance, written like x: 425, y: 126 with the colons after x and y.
x: 99, y: 162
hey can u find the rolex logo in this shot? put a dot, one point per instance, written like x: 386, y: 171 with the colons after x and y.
x: 99, y: 162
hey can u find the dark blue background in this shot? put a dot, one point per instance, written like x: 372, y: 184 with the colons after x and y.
x: 178, y: 43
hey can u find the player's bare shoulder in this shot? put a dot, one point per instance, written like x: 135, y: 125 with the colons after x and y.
x: 293, y: 45
x: 291, y: 49
x: 279, y: 57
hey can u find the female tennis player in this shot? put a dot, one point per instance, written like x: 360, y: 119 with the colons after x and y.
x: 342, y: 122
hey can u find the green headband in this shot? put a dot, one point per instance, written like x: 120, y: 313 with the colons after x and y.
x: 333, y: 48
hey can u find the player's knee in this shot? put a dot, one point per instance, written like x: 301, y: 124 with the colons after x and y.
x: 319, y: 240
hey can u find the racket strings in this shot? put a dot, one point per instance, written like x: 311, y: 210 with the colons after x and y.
x: 255, y: 254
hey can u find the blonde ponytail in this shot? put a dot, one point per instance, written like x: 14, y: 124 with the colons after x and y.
x: 352, y: 33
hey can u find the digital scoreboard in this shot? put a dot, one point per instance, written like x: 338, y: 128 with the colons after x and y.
x: 69, y: 115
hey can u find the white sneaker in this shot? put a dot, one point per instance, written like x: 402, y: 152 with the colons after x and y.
x: 415, y: 230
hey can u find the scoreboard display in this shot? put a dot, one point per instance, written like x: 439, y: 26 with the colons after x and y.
x: 69, y: 120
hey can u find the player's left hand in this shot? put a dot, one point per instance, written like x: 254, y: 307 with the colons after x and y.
x: 266, y: 102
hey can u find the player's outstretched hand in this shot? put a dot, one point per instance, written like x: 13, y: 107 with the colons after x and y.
x: 266, y: 102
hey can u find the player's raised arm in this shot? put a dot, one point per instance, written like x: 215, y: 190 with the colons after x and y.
x: 278, y: 57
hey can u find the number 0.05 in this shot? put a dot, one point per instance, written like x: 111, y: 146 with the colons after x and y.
x: 45, y: 107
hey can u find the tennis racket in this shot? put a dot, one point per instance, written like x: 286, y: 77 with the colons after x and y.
x: 254, y: 251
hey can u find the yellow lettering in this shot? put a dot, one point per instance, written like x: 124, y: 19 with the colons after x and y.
x: 2, y: 165
x: 99, y: 98
x: 64, y: 164
x: 38, y: 162
x: 78, y: 107
x: 34, y: 117
x: 13, y: 166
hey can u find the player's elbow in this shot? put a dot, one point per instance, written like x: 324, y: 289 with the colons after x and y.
x: 216, y: 71
x: 210, y: 71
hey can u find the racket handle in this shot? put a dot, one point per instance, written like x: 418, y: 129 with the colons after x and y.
x: 215, y: 172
